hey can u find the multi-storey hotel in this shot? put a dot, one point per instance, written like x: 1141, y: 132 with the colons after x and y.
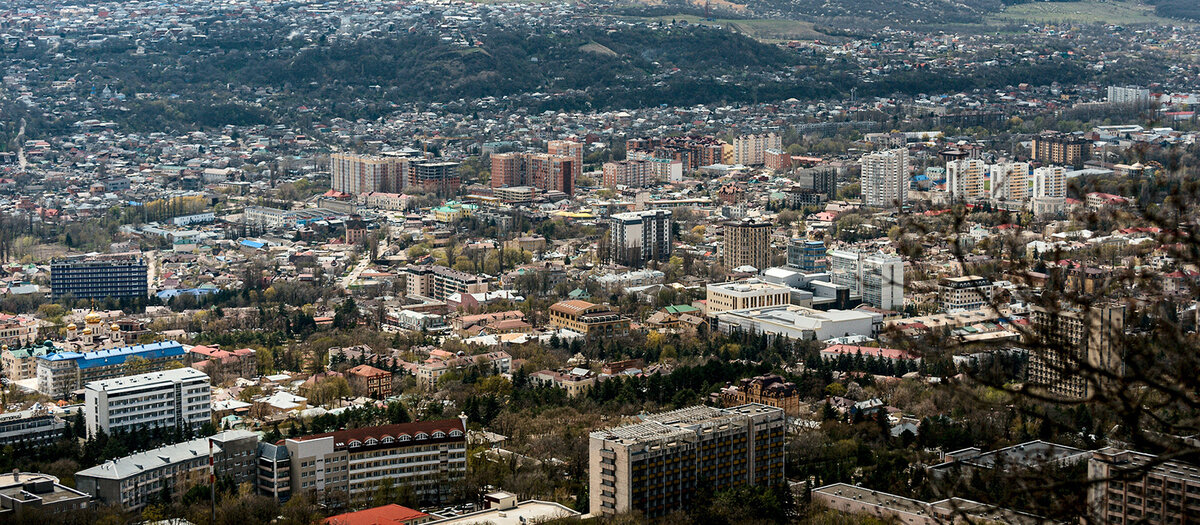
x: 588, y: 319
x: 98, y: 278
x: 178, y: 398
x: 970, y: 292
x: 1134, y: 487
x: 656, y: 466
x: 428, y: 456
x: 66, y: 372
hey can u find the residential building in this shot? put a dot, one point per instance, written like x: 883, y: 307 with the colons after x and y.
x: 355, y: 174
x: 1134, y: 95
x: 1125, y: 486
x: 889, y: 508
x: 370, y: 381
x: 21, y: 363
x: 435, y: 175
x: 428, y: 457
x: 664, y: 169
x: 807, y: 256
x: 33, y: 427
x: 212, y: 360
x: 777, y: 160
x: 1050, y: 182
x: 970, y: 292
x: 1078, y: 347
x: 656, y: 466
x: 1010, y: 181
x: 572, y: 150
x: 825, y: 181
x: 769, y: 389
x: 508, y: 169
x: 549, y: 172
x: 18, y: 330
x: 750, y: 150
x: 1052, y: 147
x: 627, y: 173
x: 637, y: 237
x: 884, y: 180
x: 964, y: 179
x: 751, y: 293
x: 134, y: 481
x: 747, y: 243
x: 33, y: 495
x: 64, y: 373
x: 576, y: 382
x: 178, y: 398
x: 98, y: 278
x: 439, y: 282
x: 391, y: 514
x: 589, y: 319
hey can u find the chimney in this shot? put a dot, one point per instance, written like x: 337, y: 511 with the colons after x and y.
x: 16, y: 475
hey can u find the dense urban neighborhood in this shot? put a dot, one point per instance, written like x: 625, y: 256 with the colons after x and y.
x: 368, y: 263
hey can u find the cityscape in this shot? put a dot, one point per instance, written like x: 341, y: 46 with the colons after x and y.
x: 611, y: 262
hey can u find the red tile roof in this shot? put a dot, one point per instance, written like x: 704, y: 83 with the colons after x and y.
x: 342, y: 438
x: 386, y: 515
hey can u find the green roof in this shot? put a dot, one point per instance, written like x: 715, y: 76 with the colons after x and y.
x: 681, y: 309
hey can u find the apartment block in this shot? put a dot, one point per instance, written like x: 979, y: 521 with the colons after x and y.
x: 627, y: 173
x: 769, y: 389
x: 751, y: 150
x: 439, y: 282
x: 435, y: 176
x: 17, y: 364
x: 356, y: 174
x: 427, y: 456
x: 1074, y: 340
x: 508, y: 169
x: 884, y: 179
x: 99, y: 278
x: 572, y: 150
x: 747, y: 243
x: 1129, y: 95
x: 750, y: 293
x: 1010, y: 181
x: 964, y: 179
x: 1127, y: 487
x: 178, y: 398
x: 970, y: 292
x: 33, y: 427
x: 877, y: 278
x: 544, y: 171
x: 1050, y: 182
x: 661, y: 169
x: 807, y: 256
x: 134, y: 481
x: 656, y: 466
x: 637, y: 237
x: 1059, y: 148
x: 64, y: 373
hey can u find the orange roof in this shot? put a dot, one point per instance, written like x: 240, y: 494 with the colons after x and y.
x: 573, y: 306
x: 386, y: 515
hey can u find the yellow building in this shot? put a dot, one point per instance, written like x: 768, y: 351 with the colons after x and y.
x: 588, y: 318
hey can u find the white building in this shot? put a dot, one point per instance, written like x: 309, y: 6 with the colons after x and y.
x: 1050, y: 182
x: 877, y: 278
x: 1010, y: 181
x: 750, y: 293
x: 170, y: 398
x: 964, y: 179
x: 1129, y: 95
x: 798, y: 322
x: 885, y: 178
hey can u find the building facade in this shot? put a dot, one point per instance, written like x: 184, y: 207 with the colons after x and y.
x: 885, y: 178
x: 770, y: 390
x: 1059, y: 148
x: 807, y: 256
x: 751, y: 150
x: 33, y: 427
x: 637, y: 237
x: 970, y: 292
x: 1077, y: 346
x: 964, y: 179
x: 589, y: 319
x: 656, y: 466
x: 747, y: 243
x: 439, y: 282
x: 627, y: 173
x: 62, y: 373
x: 1050, y: 182
x: 180, y: 398
x: 741, y: 295
x: 98, y: 278
x: 1125, y: 486
x: 356, y: 174
x: 1010, y: 181
x: 878, y: 278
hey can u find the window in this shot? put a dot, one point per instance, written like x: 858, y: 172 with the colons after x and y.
x: 439, y: 434
x: 355, y: 443
x: 388, y: 439
x: 422, y: 436
x: 372, y: 441
x: 455, y: 433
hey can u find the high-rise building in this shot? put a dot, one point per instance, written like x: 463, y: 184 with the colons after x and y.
x: 825, y: 180
x: 1079, y: 347
x: 440, y: 282
x: 428, y: 457
x: 628, y: 173
x: 1059, y: 148
x: 170, y: 399
x: 750, y: 150
x: 355, y: 174
x: 806, y: 255
x: 885, y: 178
x: 964, y: 179
x: 1010, y: 181
x: 134, y: 481
x: 99, y: 278
x: 508, y: 169
x: 970, y: 292
x: 552, y: 172
x: 1125, y: 486
x: 877, y: 278
x: 62, y: 373
x: 747, y: 243
x: 656, y: 466
x: 572, y: 150
x: 637, y: 237
x: 1050, y: 182
x: 435, y: 176
x: 1129, y: 95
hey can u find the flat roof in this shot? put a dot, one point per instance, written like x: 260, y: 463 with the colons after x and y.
x: 530, y: 511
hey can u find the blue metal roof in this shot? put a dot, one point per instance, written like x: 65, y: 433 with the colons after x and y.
x: 116, y: 356
x: 253, y: 244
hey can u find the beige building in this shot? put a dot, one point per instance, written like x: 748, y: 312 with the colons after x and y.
x: 1135, y: 487
x: 890, y: 508
x: 964, y: 179
x: 439, y: 282
x: 656, y: 466
x: 1073, y: 345
x: 588, y: 319
x: 355, y: 174
x: 751, y: 293
x: 1010, y: 181
x: 751, y: 150
x: 970, y: 292
x: 747, y: 243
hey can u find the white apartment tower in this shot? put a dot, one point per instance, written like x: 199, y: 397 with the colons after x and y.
x: 1050, y: 182
x: 885, y: 178
x: 179, y: 398
x: 1010, y: 181
x: 640, y: 236
x: 878, y: 278
x: 964, y: 179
